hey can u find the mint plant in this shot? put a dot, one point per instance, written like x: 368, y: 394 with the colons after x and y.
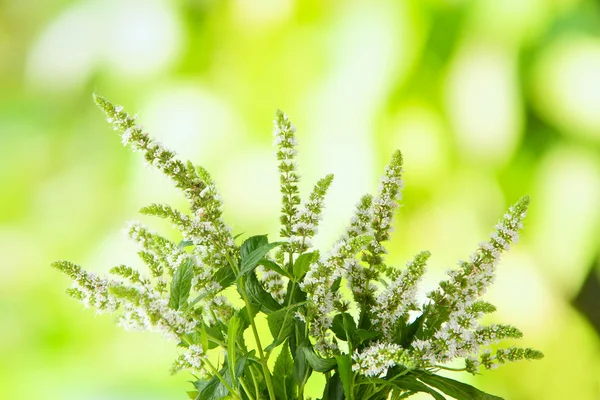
x: 345, y: 313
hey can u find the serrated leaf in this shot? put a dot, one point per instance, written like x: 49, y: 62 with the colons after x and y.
x: 232, y: 335
x: 281, y: 324
x: 224, y: 276
x: 363, y: 335
x: 317, y: 363
x: 456, y: 389
x: 342, y: 325
x: 251, y: 260
x: 274, y: 267
x: 334, y: 389
x: 345, y: 371
x: 215, y: 389
x: 181, y: 285
x: 252, y: 243
x: 301, y: 367
x: 410, y: 383
x: 302, y: 265
x: 284, y: 385
x: 261, y: 300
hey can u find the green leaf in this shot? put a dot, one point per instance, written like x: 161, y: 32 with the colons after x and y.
x: 456, y: 389
x: 185, y: 243
x: 281, y: 324
x: 334, y: 389
x: 345, y: 371
x: 224, y: 276
x: 410, y: 383
x: 251, y: 260
x: 409, y: 333
x: 363, y: 335
x: 274, y: 267
x: 343, y: 324
x: 336, y: 284
x: 181, y: 284
x: 301, y: 367
x: 252, y: 243
x: 232, y: 333
x: 317, y: 363
x: 192, y: 394
x: 283, y: 382
x: 302, y: 265
x: 215, y: 389
x: 261, y: 300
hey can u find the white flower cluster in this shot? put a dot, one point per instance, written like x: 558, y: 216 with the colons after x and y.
x: 384, y: 207
x: 377, y: 359
x: 285, y: 140
x: 195, y: 183
x: 308, y: 217
x: 193, y: 358
x: 318, y: 284
x: 400, y: 296
x: 458, y: 333
x: 273, y: 283
x: 145, y: 309
x: 88, y: 288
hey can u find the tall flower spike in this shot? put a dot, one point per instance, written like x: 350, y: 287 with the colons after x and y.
x: 357, y: 275
x: 88, y: 288
x: 472, y: 279
x: 286, y: 143
x: 318, y: 284
x: 384, y: 207
x: 399, y: 297
x: 375, y: 360
x: 307, y: 219
x: 185, y: 178
x: 145, y: 309
x: 196, y: 184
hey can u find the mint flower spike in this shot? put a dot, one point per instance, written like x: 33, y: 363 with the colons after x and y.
x: 307, y: 219
x: 400, y: 296
x: 472, y: 279
x: 490, y: 360
x: 384, y: 208
x: 452, y: 317
x: 145, y: 309
x: 318, y: 285
x: 286, y: 143
x: 375, y: 360
x: 195, y: 182
x: 155, y: 154
x: 88, y: 288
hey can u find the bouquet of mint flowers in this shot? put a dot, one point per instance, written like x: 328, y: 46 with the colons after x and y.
x: 344, y: 313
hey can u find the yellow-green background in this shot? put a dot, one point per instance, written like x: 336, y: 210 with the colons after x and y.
x: 487, y: 99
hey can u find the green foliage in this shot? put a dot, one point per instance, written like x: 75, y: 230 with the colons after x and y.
x: 310, y: 319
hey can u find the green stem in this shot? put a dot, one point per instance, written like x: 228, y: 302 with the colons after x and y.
x: 220, y: 377
x: 263, y: 360
x: 450, y: 369
x: 246, y: 390
x: 261, y: 353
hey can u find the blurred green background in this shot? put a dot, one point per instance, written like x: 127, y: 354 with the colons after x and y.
x: 488, y: 100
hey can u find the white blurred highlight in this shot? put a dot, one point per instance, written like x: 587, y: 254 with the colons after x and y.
x: 258, y: 13
x: 134, y: 38
x: 566, y: 85
x: 565, y: 215
x: 483, y: 104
